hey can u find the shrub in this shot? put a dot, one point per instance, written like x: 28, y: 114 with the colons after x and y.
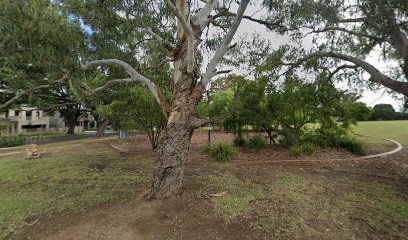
x: 290, y: 138
x: 12, y: 141
x: 303, y: 149
x: 353, y: 145
x: 239, y: 140
x: 321, y: 138
x: 336, y: 139
x: 221, y: 152
x: 256, y: 142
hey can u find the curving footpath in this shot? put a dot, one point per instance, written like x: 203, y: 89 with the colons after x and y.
x: 21, y: 148
x: 397, y: 149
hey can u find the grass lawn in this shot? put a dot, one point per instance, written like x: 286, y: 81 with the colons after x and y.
x: 396, y: 130
x: 261, y: 201
x: 69, y: 178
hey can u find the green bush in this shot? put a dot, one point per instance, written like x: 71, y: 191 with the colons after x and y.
x: 353, y: 145
x: 290, y: 138
x: 303, y: 149
x: 256, y: 142
x: 323, y: 138
x: 12, y: 141
x: 221, y: 152
x: 239, y: 140
x: 336, y: 139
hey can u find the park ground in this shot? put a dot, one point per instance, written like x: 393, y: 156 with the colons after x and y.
x: 87, y: 190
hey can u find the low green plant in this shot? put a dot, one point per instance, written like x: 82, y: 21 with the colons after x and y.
x: 353, y: 145
x: 290, y: 138
x: 302, y: 149
x: 221, y: 152
x: 239, y: 140
x: 256, y: 142
x: 12, y: 141
x: 335, y: 138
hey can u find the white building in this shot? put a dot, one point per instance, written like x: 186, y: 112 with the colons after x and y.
x: 30, y: 120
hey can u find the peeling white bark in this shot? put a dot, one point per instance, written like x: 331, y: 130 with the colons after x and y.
x: 135, y: 75
x: 201, y: 18
x: 179, y: 11
x: 219, y: 54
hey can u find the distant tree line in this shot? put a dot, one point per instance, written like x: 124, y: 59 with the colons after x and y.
x: 386, y: 112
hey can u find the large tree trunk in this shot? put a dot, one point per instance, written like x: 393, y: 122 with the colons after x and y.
x: 175, y: 142
x: 102, y: 128
x: 71, y: 128
x: 170, y: 165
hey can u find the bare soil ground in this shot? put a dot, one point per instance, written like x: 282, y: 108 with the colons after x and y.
x: 265, y: 198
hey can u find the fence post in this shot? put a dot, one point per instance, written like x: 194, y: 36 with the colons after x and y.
x: 209, y: 136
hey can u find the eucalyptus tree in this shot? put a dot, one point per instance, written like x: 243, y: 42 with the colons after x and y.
x: 344, y: 33
x: 38, y: 48
x: 179, y: 26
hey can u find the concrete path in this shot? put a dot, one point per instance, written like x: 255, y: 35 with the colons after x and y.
x: 20, y: 149
x: 68, y: 138
x: 397, y: 149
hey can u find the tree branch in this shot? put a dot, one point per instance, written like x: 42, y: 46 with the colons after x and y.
x: 168, y: 45
x: 189, y: 32
x: 359, y: 34
x: 376, y: 75
x: 201, y: 122
x: 135, y: 76
x: 398, y: 38
x: 158, y: 65
x: 351, y: 20
x: 222, y: 49
x: 224, y: 71
x: 201, y: 18
x: 338, y: 69
x: 30, y: 90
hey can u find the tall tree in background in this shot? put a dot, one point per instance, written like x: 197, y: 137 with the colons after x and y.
x: 383, y: 112
x: 178, y: 26
x: 344, y: 33
x: 39, y: 48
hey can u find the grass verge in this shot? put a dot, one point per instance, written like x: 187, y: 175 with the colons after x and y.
x: 67, y: 178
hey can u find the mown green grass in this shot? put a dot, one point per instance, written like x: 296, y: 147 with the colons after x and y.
x: 396, y: 130
x: 69, y: 178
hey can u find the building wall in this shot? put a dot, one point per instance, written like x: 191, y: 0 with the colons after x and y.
x: 30, y: 120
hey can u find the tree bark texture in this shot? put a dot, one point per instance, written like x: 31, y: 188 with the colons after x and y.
x: 175, y: 143
x: 100, y: 132
x: 71, y: 128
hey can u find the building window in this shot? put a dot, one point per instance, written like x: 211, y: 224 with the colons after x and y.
x: 16, y: 113
x: 38, y: 114
x: 28, y: 114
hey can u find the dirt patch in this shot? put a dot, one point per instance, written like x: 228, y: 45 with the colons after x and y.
x: 4, y: 184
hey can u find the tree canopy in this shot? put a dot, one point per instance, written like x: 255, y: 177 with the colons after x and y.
x: 344, y: 35
x: 39, y: 48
